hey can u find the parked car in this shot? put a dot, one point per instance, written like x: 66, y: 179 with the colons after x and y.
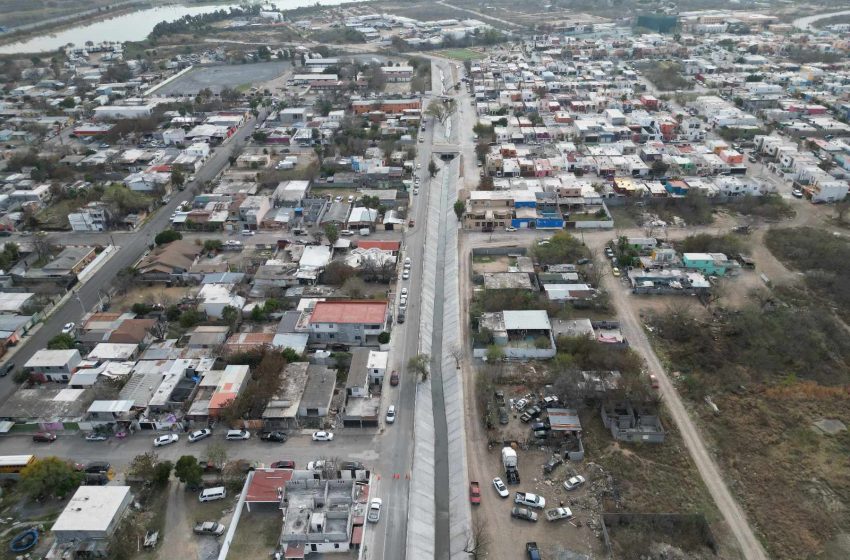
x: 95, y: 479
x: 323, y: 436
x: 574, y: 482
x: 500, y: 487
x: 523, y: 513
x: 797, y: 193
x: 616, y: 272
x: 532, y: 551
x: 405, y: 275
x: 316, y: 465
x: 394, y: 378
x: 96, y: 467
x: 237, y: 435
x: 351, y: 466
x: 198, y: 435
x: 209, y: 528
x: 509, y: 228
x: 503, y: 415
x: 6, y: 369
x: 374, y: 510
x: 96, y: 436
x: 346, y: 233
x: 391, y: 414
x: 557, y: 513
x: 474, y: 493
x: 68, y: 328
x: 43, y: 437
x: 283, y: 465
x: 248, y: 232
x: 165, y: 440
x: 521, y: 404
x: 276, y: 437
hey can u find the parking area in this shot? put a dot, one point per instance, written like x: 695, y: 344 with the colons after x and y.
x: 217, y: 78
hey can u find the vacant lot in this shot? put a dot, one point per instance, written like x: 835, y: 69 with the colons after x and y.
x: 257, y: 534
x: 216, y: 78
x: 460, y: 54
x: 773, y: 368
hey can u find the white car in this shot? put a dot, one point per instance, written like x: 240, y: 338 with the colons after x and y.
x: 391, y: 414
x: 316, y: 465
x: 407, y: 262
x: 509, y: 228
x: 248, y: 232
x: 375, y: 510
x: 237, y: 435
x: 351, y: 198
x: 406, y: 274
x: 165, y: 440
x: 415, y: 192
x: 69, y: 327
x: 574, y: 482
x: 500, y: 487
x: 402, y: 303
x: 797, y: 193
x: 338, y: 199
x: 323, y: 436
x: 404, y: 291
x: 418, y: 166
x: 198, y: 435
x: 346, y: 233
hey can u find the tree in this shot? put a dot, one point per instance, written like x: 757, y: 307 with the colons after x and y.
x: 188, y: 471
x: 61, y: 341
x: 418, y: 365
x: 212, y: 245
x: 167, y: 236
x: 495, y: 354
x: 230, y: 315
x: 161, y: 473
x: 432, y: 168
x: 68, y: 103
x: 50, y: 477
x: 460, y: 209
x: 42, y: 246
x: 477, y: 540
x: 143, y: 467
x: 384, y: 337
x: 217, y: 455
x: 332, y: 233
x: 177, y: 178
x: 354, y: 287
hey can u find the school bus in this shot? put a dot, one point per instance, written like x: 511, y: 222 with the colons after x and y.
x: 12, y: 465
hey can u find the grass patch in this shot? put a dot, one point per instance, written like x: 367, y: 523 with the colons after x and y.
x: 769, y: 207
x: 55, y: 216
x: 623, y: 218
x: 460, y: 54
x: 257, y: 534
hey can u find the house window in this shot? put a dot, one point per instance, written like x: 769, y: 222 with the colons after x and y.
x: 330, y: 336
x: 336, y: 545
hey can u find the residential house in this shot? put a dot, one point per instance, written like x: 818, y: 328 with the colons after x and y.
x: 53, y: 365
x: 353, y: 322
x: 520, y: 334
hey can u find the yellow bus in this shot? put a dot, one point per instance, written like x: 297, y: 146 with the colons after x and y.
x: 12, y: 465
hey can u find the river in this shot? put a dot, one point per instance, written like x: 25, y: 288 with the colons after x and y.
x: 134, y: 26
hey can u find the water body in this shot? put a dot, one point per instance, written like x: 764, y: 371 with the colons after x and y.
x: 130, y: 27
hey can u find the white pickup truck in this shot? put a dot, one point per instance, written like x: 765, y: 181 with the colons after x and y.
x: 530, y: 500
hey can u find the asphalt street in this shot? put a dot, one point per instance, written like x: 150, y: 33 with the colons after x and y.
x: 131, y: 248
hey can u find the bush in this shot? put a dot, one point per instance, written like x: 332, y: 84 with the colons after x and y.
x: 141, y: 308
x: 167, y: 236
x: 62, y: 342
x: 384, y: 338
x: 562, y: 248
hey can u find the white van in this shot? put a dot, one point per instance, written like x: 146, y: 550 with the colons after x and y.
x: 210, y: 494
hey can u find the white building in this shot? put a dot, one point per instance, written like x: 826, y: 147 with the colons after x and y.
x: 216, y: 297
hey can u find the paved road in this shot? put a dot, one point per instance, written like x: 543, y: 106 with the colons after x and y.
x: 131, y: 247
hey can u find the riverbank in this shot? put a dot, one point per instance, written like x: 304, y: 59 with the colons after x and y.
x: 22, y: 33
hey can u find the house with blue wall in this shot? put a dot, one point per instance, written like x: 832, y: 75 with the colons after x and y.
x: 713, y: 264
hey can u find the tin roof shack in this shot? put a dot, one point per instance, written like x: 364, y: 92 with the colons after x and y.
x: 628, y: 423
x: 318, y: 392
x: 89, y: 521
x: 319, y: 516
x: 522, y: 335
x: 668, y: 281
x: 565, y: 426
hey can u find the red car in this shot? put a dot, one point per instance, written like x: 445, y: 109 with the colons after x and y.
x: 411, y: 223
x: 394, y: 378
x: 44, y: 437
x: 283, y: 465
x: 474, y: 493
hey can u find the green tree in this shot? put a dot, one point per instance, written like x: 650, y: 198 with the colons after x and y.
x: 418, y: 365
x: 212, y: 245
x: 230, y: 315
x: 189, y: 318
x: 68, y: 103
x: 332, y: 233
x: 143, y: 467
x: 62, y: 341
x: 177, y: 178
x: 432, y: 168
x: 460, y: 209
x: 188, y: 471
x: 161, y: 473
x: 50, y: 477
x: 495, y: 354
x: 167, y: 236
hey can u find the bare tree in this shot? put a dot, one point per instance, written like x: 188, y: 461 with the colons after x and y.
x: 457, y: 354
x: 477, y: 540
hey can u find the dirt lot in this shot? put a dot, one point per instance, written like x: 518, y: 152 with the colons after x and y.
x: 150, y: 295
x: 183, y: 511
x: 485, y: 263
x: 257, y: 533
